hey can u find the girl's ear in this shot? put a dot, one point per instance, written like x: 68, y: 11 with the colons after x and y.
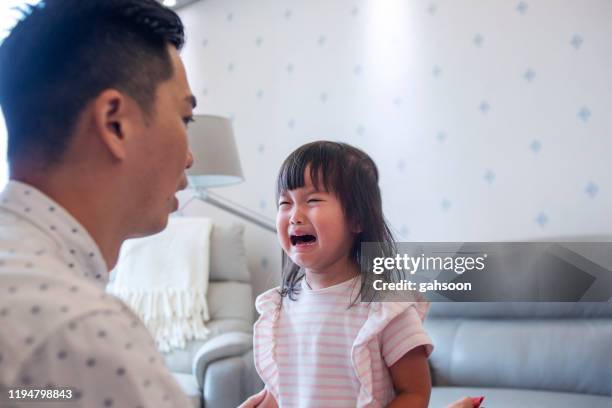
x: 356, y: 229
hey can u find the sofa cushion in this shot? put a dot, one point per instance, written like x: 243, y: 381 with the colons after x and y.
x: 568, y: 355
x: 228, y: 260
x: 513, y: 398
x: 230, y: 300
x: 521, y: 310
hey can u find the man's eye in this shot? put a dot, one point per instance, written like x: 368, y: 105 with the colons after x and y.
x: 187, y: 120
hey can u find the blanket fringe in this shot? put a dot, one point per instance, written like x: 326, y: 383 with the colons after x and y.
x: 173, y: 317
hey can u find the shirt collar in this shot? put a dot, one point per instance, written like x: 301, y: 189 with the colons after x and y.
x: 77, y: 248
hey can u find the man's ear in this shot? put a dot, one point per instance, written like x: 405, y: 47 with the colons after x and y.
x: 112, y: 121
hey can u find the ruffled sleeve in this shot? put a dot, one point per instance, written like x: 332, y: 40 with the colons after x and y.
x: 381, y: 316
x: 268, y: 305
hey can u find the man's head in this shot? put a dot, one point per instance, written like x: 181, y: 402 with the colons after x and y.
x: 101, y: 80
x: 63, y: 53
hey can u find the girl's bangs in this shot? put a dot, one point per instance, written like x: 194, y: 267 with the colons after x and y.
x: 322, y: 164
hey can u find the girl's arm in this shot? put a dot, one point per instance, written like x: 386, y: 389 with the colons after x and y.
x: 410, y: 375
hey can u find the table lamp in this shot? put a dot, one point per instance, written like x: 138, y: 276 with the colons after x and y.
x: 216, y: 164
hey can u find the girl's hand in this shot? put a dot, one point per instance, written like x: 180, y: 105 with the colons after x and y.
x: 254, y: 400
x: 268, y: 402
x: 263, y: 399
x: 462, y: 403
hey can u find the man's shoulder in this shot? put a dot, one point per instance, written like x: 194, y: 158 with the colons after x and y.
x: 35, y: 306
x: 52, y: 297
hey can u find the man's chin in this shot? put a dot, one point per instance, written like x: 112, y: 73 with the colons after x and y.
x: 152, y: 229
x: 162, y: 224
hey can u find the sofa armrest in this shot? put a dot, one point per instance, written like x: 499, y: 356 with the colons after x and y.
x: 231, y: 344
x: 230, y: 381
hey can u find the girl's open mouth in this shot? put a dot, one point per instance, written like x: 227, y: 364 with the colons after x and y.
x: 302, y: 240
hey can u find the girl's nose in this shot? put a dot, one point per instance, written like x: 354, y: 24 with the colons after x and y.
x: 296, y: 218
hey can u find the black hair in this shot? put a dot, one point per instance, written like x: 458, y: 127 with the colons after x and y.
x: 64, y: 53
x: 352, y: 176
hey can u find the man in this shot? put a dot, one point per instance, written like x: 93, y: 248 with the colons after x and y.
x: 96, y: 103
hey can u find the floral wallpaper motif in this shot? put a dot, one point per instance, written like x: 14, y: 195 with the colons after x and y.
x: 489, y: 120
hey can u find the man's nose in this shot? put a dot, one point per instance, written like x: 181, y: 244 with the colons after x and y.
x: 189, y: 162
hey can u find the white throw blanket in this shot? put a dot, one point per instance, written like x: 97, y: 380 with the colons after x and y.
x: 164, y: 279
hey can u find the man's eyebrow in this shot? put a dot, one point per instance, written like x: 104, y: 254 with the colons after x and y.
x: 191, y: 100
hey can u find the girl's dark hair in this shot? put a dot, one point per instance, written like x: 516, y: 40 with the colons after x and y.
x: 352, y: 176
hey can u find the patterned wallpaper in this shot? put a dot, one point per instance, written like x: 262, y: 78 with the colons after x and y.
x: 489, y: 120
x: 9, y: 14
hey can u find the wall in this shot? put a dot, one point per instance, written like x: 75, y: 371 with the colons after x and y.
x: 9, y: 14
x: 489, y: 120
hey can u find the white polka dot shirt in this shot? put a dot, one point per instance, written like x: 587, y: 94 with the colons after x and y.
x: 58, y: 327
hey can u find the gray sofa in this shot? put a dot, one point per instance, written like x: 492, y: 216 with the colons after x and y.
x: 527, y: 355
x: 524, y: 355
x: 219, y: 372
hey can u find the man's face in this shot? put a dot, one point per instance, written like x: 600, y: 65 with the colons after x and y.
x: 162, y: 151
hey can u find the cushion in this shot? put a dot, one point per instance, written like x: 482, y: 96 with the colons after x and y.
x: 227, y: 254
x: 568, y: 355
x: 241, y: 305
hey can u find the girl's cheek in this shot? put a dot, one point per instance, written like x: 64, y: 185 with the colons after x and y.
x: 281, y: 221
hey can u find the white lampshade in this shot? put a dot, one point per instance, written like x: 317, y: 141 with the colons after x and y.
x: 215, y: 156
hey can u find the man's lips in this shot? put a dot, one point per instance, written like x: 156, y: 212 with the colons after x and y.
x: 181, y: 187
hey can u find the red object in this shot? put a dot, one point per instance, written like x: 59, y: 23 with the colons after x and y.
x: 476, y: 401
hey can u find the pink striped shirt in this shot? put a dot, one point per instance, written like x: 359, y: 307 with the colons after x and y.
x: 317, y: 351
